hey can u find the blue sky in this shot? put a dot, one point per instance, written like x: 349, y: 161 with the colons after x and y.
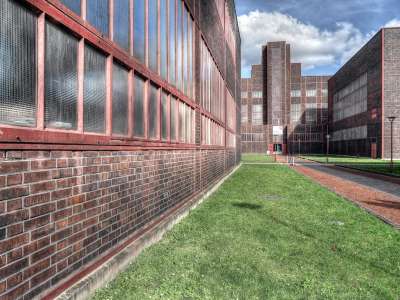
x: 323, y: 34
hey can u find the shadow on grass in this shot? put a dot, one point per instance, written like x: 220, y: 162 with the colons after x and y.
x: 247, y: 205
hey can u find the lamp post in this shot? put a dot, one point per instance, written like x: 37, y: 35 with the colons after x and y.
x: 328, y: 136
x: 391, y: 120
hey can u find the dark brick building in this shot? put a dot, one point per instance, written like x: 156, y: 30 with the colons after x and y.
x: 283, y: 111
x: 363, y: 94
x: 113, y: 114
x: 308, y: 112
x: 253, y: 127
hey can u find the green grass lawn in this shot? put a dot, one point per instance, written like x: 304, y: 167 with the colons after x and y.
x: 362, y: 163
x: 257, y: 158
x: 268, y: 233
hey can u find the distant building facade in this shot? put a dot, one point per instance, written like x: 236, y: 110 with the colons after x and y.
x: 253, y: 128
x: 283, y: 111
x: 363, y: 94
x: 308, y: 112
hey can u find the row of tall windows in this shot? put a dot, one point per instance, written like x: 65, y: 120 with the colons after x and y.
x: 212, y: 85
x: 212, y: 133
x: 148, y: 112
x: 162, y: 34
x: 244, y: 114
x: 257, y: 114
x: 230, y: 140
x: 230, y: 111
x: 356, y: 133
x: 352, y: 100
x: 257, y: 94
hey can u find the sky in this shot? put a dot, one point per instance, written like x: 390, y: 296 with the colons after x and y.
x: 323, y: 34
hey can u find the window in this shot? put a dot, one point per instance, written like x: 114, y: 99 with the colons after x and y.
x: 17, y: 40
x: 295, y: 93
x: 138, y: 107
x: 257, y: 94
x: 185, y: 51
x: 163, y: 38
x: 153, y: 35
x: 352, y: 100
x: 212, y: 86
x: 97, y: 13
x: 61, y: 78
x: 164, y: 115
x: 182, y: 122
x: 153, y: 110
x: 139, y: 20
x: 188, y: 113
x: 311, y: 93
x: 311, y: 112
x: 244, y: 94
x: 244, y: 113
x: 257, y: 115
x: 121, y: 23
x: 74, y: 5
x: 190, y: 57
x: 173, y: 118
x: 324, y: 92
x: 120, y: 100
x: 94, y: 91
x: 179, y: 46
x: 295, y: 113
x: 356, y: 133
x: 172, y: 39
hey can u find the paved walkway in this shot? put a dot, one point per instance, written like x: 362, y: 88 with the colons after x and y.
x: 379, y: 197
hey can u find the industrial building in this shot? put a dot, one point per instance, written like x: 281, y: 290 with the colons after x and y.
x: 364, y: 95
x: 283, y: 111
x: 113, y: 115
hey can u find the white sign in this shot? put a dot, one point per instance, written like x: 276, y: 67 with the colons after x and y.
x: 277, y: 130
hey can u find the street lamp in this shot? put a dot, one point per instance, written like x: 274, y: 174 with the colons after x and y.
x: 391, y: 120
x: 328, y: 136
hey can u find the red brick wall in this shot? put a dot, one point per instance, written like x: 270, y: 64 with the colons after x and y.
x: 60, y: 210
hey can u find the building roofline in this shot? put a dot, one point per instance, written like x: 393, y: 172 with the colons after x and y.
x: 358, y: 51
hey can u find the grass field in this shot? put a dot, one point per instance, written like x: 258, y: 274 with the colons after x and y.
x: 268, y: 233
x: 362, y: 163
x: 257, y: 158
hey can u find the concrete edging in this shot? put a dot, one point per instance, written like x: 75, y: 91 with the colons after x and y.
x: 108, y: 271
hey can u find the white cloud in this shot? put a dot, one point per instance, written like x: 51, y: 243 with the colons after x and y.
x: 393, y: 23
x: 310, y: 45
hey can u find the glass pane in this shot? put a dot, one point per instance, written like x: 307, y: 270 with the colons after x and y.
x: 163, y: 33
x: 121, y: 23
x: 188, y: 123
x: 61, y: 78
x: 173, y: 118
x: 139, y: 107
x: 94, y: 90
x: 182, y: 122
x: 153, y: 112
x: 17, y: 64
x: 74, y: 5
x: 190, y: 57
x: 185, y: 52
x: 172, y: 45
x: 153, y: 35
x: 97, y: 13
x: 179, y: 46
x: 119, y: 100
x: 139, y: 45
x: 164, y: 116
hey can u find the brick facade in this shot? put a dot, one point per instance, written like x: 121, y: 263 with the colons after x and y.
x: 379, y: 59
x: 69, y: 200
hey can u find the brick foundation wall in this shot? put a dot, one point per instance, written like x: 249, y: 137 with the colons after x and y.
x: 60, y: 210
